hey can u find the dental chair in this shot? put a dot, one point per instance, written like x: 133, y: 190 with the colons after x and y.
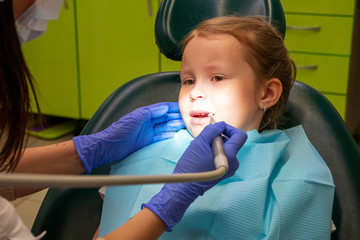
x: 75, y: 213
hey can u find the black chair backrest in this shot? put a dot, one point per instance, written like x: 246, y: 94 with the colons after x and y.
x: 328, y: 133
x: 75, y: 213
x: 322, y: 123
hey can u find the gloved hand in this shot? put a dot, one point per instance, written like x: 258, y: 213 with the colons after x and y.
x: 172, y: 201
x: 143, y: 126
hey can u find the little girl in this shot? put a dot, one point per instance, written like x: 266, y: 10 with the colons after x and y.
x: 239, y: 70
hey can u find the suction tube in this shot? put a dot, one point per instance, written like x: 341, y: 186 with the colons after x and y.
x: 85, y: 181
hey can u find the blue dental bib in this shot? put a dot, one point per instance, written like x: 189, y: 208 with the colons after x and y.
x: 282, y: 190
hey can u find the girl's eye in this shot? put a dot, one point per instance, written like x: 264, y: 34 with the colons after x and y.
x: 189, y: 82
x: 217, y: 78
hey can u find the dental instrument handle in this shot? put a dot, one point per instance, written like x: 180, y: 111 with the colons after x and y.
x: 217, y: 146
x: 46, y: 180
x: 91, y: 181
x: 220, y: 158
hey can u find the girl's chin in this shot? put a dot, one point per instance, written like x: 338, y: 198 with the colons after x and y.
x: 195, y: 130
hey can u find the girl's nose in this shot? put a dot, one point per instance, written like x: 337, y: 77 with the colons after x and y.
x: 197, y: 93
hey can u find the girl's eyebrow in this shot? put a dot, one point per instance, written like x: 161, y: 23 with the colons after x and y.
x: 185, y: 71
x: 212, y: 66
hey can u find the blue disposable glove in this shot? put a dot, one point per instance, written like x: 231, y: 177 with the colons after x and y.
x: 143, y: 126
x: 172, y: 201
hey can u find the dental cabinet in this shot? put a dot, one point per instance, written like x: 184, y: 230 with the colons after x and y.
x: 116, y: 44
x: 52, y: 61
x: 319, y: 38
x: 94, y: 48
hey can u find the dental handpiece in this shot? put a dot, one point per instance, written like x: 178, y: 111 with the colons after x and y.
x: 217, y: 146
x: 90, y: 181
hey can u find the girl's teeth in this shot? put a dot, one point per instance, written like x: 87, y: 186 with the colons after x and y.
x: 201, y: 115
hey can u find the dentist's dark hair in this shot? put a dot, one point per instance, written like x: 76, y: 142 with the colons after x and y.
x: 16, y: 87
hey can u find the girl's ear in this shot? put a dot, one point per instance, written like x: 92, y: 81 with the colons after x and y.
x: 271, y: 93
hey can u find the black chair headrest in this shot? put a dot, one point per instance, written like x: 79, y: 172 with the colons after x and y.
x: 176, y: 18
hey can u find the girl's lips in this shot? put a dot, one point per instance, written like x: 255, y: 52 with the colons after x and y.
x: 199, y: 117
x: 199, y: 114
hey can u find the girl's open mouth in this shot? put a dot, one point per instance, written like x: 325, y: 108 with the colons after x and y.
x: 199, y: 117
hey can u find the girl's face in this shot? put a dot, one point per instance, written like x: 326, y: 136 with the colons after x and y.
x: 215, y: 78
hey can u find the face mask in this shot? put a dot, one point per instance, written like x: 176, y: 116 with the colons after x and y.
x: 33, y: 22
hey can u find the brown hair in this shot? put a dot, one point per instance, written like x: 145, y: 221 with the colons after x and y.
x: 15, y: 85
x: 266, y: 54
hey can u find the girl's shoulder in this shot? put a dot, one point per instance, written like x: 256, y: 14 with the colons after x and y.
x: 302, y: 160
x: 288, y: 154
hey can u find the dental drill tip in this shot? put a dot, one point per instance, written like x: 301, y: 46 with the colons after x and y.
x: 211, y: 116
